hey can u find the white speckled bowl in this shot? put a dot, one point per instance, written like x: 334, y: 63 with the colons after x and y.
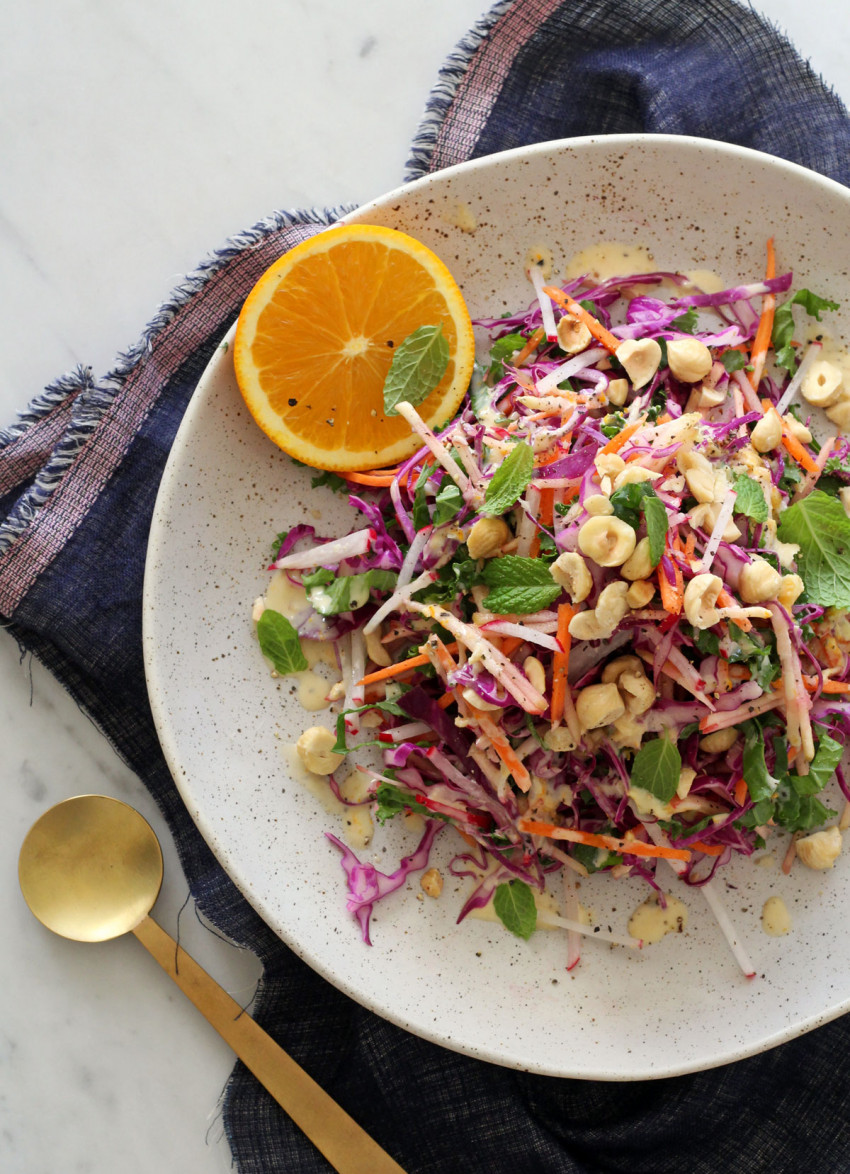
x: 679, y: 1006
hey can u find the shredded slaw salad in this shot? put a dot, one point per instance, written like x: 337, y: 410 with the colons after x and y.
x: 598, y: 622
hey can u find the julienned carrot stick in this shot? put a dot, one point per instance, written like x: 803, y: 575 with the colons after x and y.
x: 507, y: 645
x: 443, y: 655
x: 534, y: 341
x: 672, y: 596
x: 741, y: 792
x: 608, y: 340
x: 761, y: 342
x: 708, y: 849
x: 828, y: 685
x: 545, y: 415
x: 795, y: 449
x: 504, y: 749
x: 724, y: 599
x: 467, y: 837
x: 547, y: 506
x: 545, y: 512
x: 380, y: 478
x: 393, y: 670
x: 627, y: 847
x: 560, y: 663
x: 617, y: 442
x: 793, y: 446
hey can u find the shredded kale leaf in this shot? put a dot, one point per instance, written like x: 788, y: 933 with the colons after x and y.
x: 783, y: 325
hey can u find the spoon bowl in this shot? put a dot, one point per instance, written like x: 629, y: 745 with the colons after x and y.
x: 90, y: 869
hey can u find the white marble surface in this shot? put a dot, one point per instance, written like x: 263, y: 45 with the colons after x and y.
x: 135, y: 137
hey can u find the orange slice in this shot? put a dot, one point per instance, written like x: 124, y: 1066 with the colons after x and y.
x: 316, y: 338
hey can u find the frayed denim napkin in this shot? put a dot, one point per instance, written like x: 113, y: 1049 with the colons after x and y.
x: 79, y: 474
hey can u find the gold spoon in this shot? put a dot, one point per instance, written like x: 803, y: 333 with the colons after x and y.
x: 90, y: 869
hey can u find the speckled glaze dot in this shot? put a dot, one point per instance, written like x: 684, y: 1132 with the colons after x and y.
x: 679, y: 1006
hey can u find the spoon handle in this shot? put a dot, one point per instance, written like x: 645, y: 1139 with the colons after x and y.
x: 347, y: 1147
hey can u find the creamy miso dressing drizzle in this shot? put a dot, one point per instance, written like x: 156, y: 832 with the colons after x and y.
x: 775, y: 918
x: 357, y: 825
x: 706, y: 279
x: 609, y: 259
x: 614, y: 258
x: 540, y: 256
x: 461, y: 216
x: 650, y: 922
x: 286, y: 597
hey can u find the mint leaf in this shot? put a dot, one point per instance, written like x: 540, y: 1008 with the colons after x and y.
x: 636, y: 498
x: 791, y: 478
x: 418, y: 365
x: 521, y: 600
x: 512, y: 570
x: 514, y: 904
x: 783, y: 325
x: 656, y: 768
x: 330, y: 595
x: 733, y: 360
x: 518, y: 585
x: 821, y: 528
x: 510, y: 480
x: 655, y: 516
x: 627, y: 502
x: 279, y: 642
x: 760, y: 783
x: 751, y: 500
